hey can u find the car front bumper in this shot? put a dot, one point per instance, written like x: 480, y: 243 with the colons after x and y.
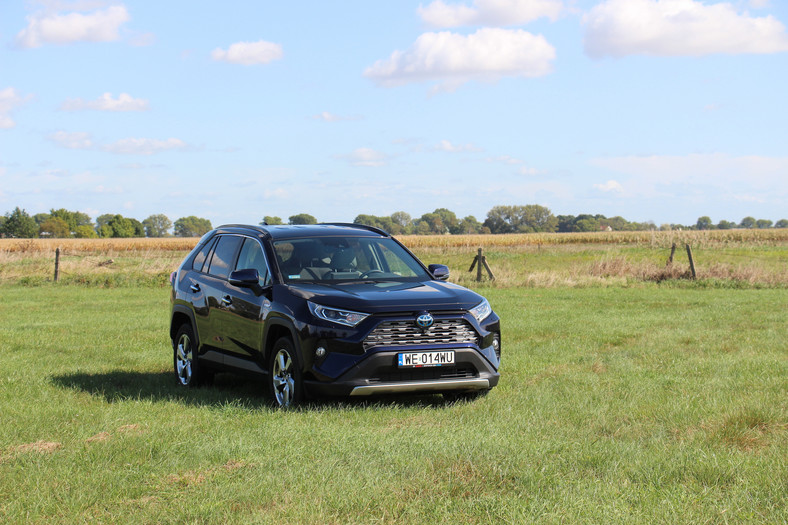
x: 378, y: 374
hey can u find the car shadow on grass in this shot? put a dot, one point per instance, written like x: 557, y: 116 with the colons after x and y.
x: 225, y: 389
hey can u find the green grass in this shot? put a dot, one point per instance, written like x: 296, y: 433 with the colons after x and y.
x: 624, y: 404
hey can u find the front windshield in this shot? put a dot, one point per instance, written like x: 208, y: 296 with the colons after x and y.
x: 346, y: 259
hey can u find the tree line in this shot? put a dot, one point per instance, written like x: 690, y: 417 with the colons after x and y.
x: 530, y: 218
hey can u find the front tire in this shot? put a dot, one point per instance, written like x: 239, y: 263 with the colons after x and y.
x: 285, y: 384
x: 189, y: 372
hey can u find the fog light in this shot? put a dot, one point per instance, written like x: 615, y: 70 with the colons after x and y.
x: 320, y: 352
x: 497, y: 346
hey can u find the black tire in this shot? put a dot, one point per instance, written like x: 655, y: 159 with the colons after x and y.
x: 189, y: 371
x: 285, y: 384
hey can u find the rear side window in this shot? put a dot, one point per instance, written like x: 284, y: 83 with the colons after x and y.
x: 251, y: 256
x: 224, y: 256
x: 199, y: 259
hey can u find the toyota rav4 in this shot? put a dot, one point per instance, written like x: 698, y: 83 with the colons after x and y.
x: 328, y: 309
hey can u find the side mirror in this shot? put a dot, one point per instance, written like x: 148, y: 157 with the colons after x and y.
x: 245, y: 278
x: 439, y: 271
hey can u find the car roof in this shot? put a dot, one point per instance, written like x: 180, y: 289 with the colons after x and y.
x: 292, y: 231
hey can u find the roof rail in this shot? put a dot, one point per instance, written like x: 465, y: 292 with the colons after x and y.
x: 359, y: 226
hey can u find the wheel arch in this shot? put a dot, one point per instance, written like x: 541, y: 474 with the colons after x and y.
x: 276, y: 329
x: 180, y: 316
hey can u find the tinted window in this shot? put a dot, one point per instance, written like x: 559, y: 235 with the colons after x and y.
x: 199, y: 259
x: 251, y: 256
x: 224, y: 255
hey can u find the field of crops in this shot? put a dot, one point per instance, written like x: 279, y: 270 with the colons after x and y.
x: 733, y: 258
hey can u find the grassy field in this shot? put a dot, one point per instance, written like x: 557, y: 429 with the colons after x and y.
x: 634, y: 404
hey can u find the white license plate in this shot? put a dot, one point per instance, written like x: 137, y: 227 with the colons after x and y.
x: 417, y: 359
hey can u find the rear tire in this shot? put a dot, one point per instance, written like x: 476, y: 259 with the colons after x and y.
x: 189, y: 371
x: 285, y: 384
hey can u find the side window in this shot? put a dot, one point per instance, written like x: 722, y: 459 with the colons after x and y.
x: 223, y: 255
x: 252, y: 257
x: 199, y: 259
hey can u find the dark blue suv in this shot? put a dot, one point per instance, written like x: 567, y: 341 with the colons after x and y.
x: 328, y: 309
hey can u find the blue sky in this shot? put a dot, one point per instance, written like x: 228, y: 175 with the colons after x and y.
x: 661, y: 110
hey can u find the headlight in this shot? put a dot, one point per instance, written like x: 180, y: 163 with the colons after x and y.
x: 335, y: 315
x: 481, y: 310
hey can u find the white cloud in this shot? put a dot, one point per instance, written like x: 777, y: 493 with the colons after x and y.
x: 366, y: 157
x: 610, y: 186
x: 249, y: 53
x: 525, y: 170
x: 330, y: 117
x: 504, y: 159
x: 133, y: 146
x: 678, y: 28
x: 72, y: 140
x: 9, y: 101
x: 452, y: 59
x: 760, y: 4
x: 105, y: 102
x: 47, y: 27
x: 489, y: 12
x: 445, y: 145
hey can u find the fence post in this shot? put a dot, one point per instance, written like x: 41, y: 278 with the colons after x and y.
x: 57, y: 264
x: 672, y: 253
x: 691, y: 261
x: 479, y: 266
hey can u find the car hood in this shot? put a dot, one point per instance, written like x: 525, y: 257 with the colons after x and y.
x: 377, y: 297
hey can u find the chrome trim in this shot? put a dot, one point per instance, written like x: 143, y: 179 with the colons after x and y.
x: 421, y: 386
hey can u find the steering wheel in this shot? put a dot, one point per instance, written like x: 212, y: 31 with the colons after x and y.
x: 369, y: 272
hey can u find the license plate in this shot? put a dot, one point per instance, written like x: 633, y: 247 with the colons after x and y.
x: 418, y: 359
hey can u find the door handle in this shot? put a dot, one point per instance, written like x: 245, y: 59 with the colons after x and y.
x: 227, y: 300
x: 195, y: 288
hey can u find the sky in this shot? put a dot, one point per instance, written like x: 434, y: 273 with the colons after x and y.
x: 655, y: 110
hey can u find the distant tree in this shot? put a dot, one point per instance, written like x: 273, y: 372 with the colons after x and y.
x: 617, y: 223
x: 301, y: 218
x: 763, y: 223
x: 704, y: 223
x: 19, y: 224
x: 782, y: 223
x: 139, y: 228
x: 74, y: 219
x: 85, y: 232
x: 449, y: 220
x: 748, y: 222
x: 523, y: 219
x: 589, y: 224
x: 102, y: 225
x: 402, y: 222
x: 40, y: 218
x: 271, y: 220
x: 725, y: 225
x: 434, y: 224
x: 384, y: 223
x: 121, y: 226
x: 565, y: 223
x: 54, y: 227
x: 192, y: 226
x: 469, y: 225
x: 157, y: 225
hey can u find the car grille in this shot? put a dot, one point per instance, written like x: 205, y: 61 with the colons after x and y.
x: 424, y: 374
x: 406, y: 333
